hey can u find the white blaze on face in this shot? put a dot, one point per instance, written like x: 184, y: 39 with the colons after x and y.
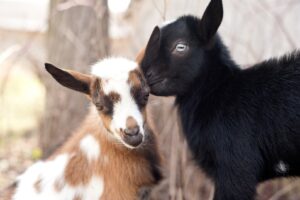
x: 114, y: 74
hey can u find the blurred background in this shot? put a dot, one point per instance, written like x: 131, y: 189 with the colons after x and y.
x: 37, y: 114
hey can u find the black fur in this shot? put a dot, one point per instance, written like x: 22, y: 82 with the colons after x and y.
x: 239, y: 124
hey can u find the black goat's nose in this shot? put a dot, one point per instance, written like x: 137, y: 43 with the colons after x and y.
x: 132, y: 131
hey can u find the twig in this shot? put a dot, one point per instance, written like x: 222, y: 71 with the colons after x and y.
x: 279, y: 23
x: 73, y: 3
x: 18, y: 54
x: 8, y: 52
x: 161, y: 13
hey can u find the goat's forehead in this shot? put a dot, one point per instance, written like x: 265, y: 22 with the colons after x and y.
x: 117, y: 75
x: 114, y: 69
x: 121, y: 87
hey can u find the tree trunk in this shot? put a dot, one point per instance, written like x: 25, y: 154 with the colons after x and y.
x: 77, y: 38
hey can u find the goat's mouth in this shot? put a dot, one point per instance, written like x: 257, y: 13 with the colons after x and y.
x: 132, y: 141
x: 152, y: 83
x: 160, y: 88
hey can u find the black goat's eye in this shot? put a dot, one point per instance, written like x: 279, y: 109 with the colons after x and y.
x: 180, y: 47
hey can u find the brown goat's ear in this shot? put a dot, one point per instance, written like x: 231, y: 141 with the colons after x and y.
x: 70, y: 79
x: 140, y: 56
x: 211, y: 20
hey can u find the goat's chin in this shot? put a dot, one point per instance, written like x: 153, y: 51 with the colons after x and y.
x: 133, y: 142
x: 129, y: 146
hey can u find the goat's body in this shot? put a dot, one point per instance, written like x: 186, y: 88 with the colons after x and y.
x: 91, y: 166
x: 243, y: 126
x: 113, y: 155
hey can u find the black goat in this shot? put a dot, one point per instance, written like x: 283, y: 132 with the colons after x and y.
x: 243, y: 126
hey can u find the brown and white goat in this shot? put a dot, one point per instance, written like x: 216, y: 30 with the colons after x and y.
x: 113, y: 154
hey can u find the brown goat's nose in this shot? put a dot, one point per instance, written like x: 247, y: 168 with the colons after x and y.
x: 131, y: 123
x: 132, y: 127
x: 132, y: 131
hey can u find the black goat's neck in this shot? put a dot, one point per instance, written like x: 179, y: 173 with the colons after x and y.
x: 217, y: 68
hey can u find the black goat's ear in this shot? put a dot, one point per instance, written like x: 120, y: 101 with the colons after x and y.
x: 211, y: 20
x: 153, y: 43
x: 70, y: 79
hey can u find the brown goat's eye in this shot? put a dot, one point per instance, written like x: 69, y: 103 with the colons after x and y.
x: 104, y: 105
x: 141, y: 95
x: 104, y: 109
x: 146, y: 97
x: 99, y: 106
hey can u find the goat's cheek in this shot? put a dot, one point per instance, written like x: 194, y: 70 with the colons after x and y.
x: 114, y: 129
x: 107, y: 121
x: 144, y: 114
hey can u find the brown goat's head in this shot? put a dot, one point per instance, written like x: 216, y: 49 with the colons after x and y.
x: 119, y: 92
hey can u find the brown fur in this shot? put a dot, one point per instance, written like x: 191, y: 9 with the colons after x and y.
x: 106, y: 119
x: 139, y: 89
x: 134, y: 78
x: 114, y: 97
x: 123, y: 170
x: 78, y: 163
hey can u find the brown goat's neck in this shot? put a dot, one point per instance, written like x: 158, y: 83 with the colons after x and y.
x: 122, y: 169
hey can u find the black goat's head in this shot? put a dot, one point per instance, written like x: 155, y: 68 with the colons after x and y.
x: 175, y: 53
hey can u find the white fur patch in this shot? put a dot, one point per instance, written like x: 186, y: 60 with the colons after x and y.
x: 282, y: 167
x: 49, y: 172
x: 113, y: 68
x: 91, y: 147
x: 94, y: 189
x: 114, y: 73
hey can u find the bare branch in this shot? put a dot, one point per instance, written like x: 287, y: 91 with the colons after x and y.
x: 161, y: 13
x: 278, y: 20
x: 72, y: 3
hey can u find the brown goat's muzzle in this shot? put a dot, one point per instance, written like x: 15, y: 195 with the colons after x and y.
x: 132, y: 136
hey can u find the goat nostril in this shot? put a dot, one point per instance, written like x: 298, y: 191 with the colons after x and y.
x: 132, y: 131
